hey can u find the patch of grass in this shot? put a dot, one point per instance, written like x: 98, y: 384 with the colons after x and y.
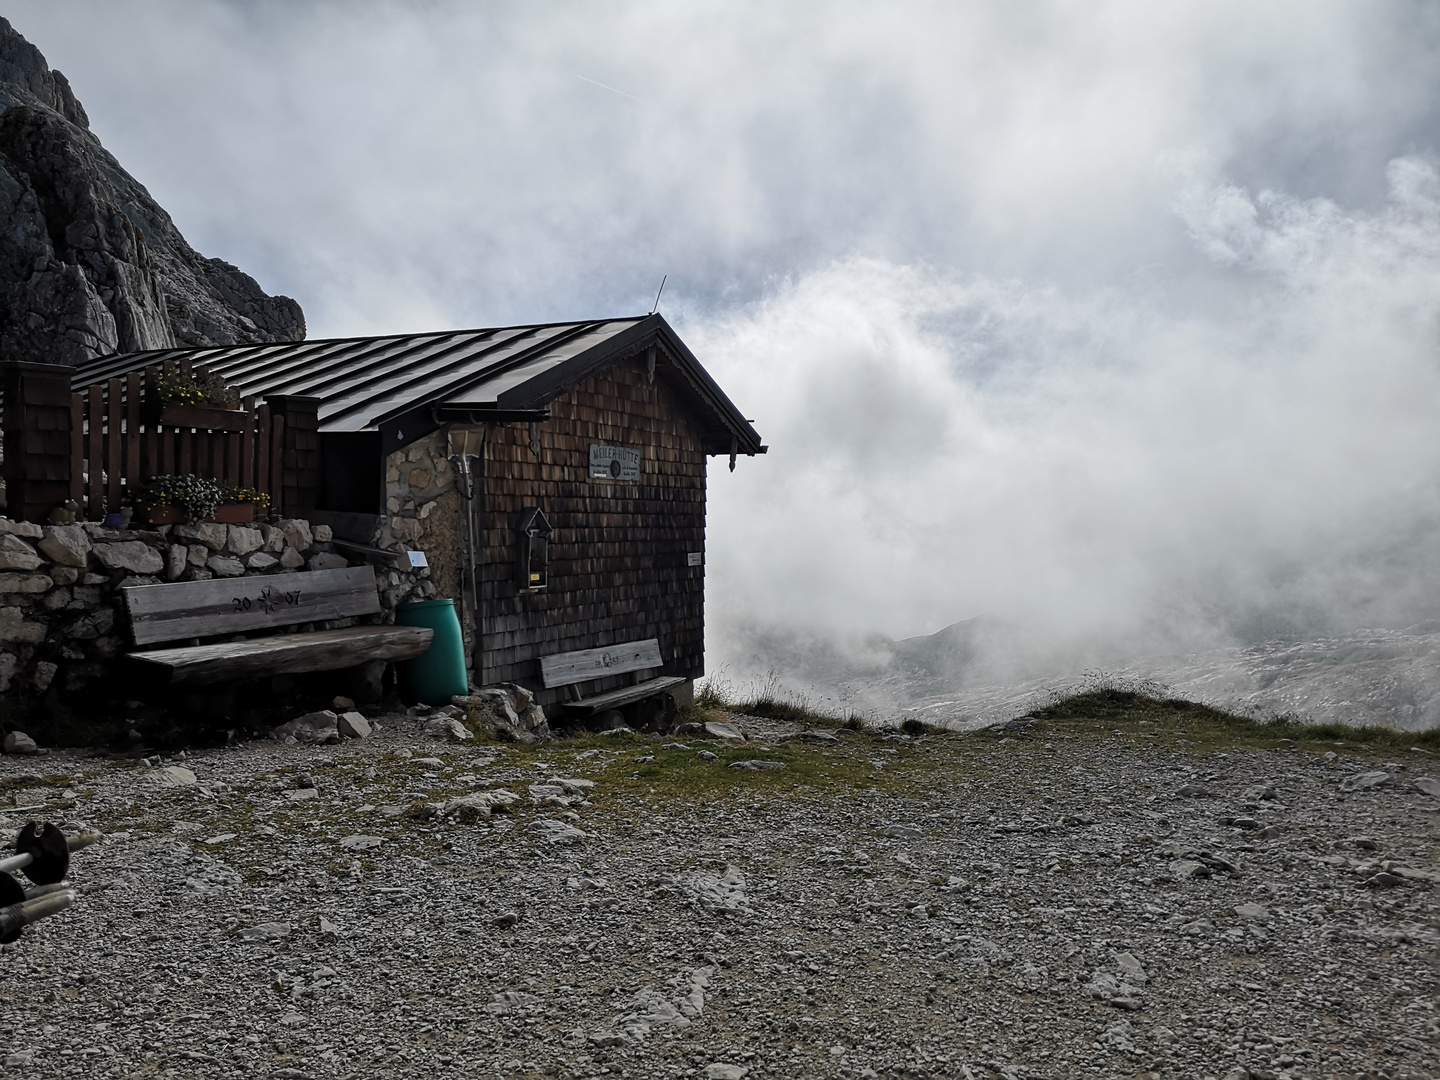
x: 768, y: 699
x: 1135, y: 710
x: 682, y: 775
x: 916, y: 728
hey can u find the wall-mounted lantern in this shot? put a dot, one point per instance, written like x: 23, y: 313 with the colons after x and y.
x: 533, y: 566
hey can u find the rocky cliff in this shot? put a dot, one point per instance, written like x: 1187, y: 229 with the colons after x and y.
x: 89, y: 263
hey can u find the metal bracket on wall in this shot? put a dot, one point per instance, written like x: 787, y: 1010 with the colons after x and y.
x: 650, y: 364
x: 535, y: 438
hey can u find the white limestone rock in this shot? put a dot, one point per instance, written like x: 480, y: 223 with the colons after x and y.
x: 131, y: 555
x: 65, y: 544
x: 16, y: 554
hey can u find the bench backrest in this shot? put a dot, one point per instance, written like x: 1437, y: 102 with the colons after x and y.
x: 186, y: 609
x: 562, y: 669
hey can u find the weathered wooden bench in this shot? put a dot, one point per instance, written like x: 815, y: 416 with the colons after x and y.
x: 631, y: 657
x: 245, y: 605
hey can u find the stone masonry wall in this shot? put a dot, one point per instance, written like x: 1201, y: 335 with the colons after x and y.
x: 423, y: 513
x: 61, y: 609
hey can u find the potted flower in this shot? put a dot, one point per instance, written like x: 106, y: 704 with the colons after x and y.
x: 169, y: 500
x: 202, y: 400
x: 242, y: 504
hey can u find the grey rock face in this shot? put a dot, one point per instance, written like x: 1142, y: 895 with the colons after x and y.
x: 91, y: 264
x: 132, y: 555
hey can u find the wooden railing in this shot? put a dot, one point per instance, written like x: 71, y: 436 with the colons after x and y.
x: 98, y: 444
x: 124, y: 434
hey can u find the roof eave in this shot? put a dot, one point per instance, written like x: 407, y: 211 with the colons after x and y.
x: 740, y: 437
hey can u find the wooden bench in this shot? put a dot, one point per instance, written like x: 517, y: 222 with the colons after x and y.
x: 245, y: 605
x: 568, y: 669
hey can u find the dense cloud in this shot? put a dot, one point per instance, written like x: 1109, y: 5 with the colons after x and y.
x: 1117, y: 319
x: 1117, y: 473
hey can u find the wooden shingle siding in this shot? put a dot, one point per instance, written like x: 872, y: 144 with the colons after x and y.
x: 618, y: 556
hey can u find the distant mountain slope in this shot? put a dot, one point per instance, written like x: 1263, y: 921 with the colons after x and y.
x: 89, y: 263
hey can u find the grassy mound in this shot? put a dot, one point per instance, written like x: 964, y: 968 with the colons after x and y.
x: 1136, y: 712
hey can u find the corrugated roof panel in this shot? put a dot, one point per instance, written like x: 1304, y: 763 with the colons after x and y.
x: 487, y: 391
x: 358, y: 364
x: 365, y: 382
x: 366, y: 407
x: 265, y: 370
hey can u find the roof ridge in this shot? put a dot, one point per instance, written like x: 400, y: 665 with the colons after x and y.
x: 177, y: 349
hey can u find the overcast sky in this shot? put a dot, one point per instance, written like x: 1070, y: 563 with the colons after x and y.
x: 1120, y: 317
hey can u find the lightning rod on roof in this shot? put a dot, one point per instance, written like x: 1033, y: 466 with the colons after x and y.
x: 656, y: 308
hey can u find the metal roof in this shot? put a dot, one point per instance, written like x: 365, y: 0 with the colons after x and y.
x: 367, y: 384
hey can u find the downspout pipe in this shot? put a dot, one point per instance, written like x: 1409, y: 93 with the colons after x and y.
x: 469, y: 469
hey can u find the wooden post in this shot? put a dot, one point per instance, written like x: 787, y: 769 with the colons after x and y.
x: 150, y: 460
x: 77, y: 448
x: 95, y: 452
x: 262, y: 456
x: 247, y: 445
x: 133, y: 479
x: 298, y: 419
x: 232, y: 458
x: 277, y: 463
x: 39, y: 463
x: 114, y: 451
x: 185, y: 461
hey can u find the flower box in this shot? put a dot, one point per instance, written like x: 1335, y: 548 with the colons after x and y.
x: 235, y: 513
x: 204, y: 417
x: 168, y: 514
x: 225, y: 513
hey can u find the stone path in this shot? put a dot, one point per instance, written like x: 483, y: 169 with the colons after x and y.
x: 958, y: 906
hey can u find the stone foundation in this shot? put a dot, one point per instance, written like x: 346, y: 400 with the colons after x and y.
x: 61, y: 609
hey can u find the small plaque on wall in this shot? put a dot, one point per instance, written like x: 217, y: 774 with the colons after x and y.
x: 614, y: 463
x: 694, y: 558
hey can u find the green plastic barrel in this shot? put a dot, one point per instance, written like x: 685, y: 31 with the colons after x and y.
x: 437, y: 674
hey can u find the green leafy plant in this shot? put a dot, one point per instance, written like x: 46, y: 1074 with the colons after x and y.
x: 249, y: 495
x: 212, y: 384
x: 198, y: 496
x: 177, y: 388
x: 208, y: 388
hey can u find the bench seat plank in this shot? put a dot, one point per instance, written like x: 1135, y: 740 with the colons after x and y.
x: 323, y: 650
x: 563, y: 669
x: 191, y: 609
x: 624, y: 696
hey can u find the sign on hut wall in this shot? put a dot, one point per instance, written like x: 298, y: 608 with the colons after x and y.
x: 614, y: 463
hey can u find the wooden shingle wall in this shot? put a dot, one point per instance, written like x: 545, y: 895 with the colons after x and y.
x: 619, y: 567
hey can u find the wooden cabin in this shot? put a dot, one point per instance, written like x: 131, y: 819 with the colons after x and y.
x: 551, y: 476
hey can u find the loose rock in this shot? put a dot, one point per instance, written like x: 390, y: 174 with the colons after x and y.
x: 352, y: 725
x: 316, y: 727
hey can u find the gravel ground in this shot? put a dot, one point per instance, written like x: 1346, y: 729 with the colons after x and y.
x: 1022, y: 904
